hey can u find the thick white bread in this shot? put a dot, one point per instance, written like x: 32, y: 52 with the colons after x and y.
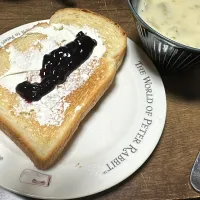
x: 44, y: 144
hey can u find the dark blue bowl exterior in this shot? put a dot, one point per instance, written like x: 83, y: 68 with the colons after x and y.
x: 168, y: 57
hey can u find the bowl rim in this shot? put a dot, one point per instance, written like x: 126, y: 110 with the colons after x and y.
x: 177, y: 44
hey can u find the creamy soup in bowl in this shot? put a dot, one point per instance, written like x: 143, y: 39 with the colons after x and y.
x: 178, y: 20
x: 170, y: 32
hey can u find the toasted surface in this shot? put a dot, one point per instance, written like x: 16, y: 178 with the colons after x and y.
x: 42, y: 143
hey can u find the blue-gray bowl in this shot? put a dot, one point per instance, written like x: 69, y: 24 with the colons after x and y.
x: 168, y: 56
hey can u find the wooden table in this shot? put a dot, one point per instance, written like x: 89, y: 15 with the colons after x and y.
x: 166, y: 173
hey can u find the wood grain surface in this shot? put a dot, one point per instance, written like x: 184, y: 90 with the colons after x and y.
x: 165, y: 175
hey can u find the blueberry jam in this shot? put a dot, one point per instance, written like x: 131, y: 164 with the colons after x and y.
x: 57, y: 66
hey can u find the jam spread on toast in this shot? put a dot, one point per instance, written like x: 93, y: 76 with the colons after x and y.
x: 57, y: 66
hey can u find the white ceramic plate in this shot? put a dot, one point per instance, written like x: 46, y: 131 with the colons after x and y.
x: 114, y: 140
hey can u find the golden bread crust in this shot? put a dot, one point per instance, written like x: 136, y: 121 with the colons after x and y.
x: 44, y: 144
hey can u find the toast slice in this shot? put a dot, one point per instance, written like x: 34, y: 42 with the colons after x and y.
x: 36, y: 134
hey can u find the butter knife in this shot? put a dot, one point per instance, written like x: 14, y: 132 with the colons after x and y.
x: 195, y: 174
